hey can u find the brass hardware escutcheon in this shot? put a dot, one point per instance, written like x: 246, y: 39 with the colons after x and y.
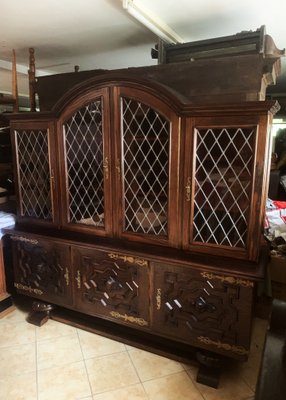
x: 228, y: 279
x: 78, y: 279
x: 67, y: 277
x: 28, y: 289
x: 129, y: 259
x: 188, y: 189
x: 106, y: 167
x: 129, y: 318
x: 225, y: 346
x: 158, y: 298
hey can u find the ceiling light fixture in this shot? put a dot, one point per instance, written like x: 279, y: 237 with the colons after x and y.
x: 152, y: 22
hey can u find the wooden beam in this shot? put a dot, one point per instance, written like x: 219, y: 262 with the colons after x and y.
x: 32, y: 78
x: 15, y: 83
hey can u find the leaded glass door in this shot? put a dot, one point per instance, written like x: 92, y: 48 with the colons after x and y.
x: 87, y: 171
x: 36, y: 171
x: 219, y: 185
x: 146, y: 169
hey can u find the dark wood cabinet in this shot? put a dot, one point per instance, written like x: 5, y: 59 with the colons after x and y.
x: 140, y: 209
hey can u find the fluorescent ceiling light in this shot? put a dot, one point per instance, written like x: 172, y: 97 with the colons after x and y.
x: 151, y: 21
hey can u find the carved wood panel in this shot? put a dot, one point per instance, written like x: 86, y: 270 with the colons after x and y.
x: 42, y: 269
x: 204, y: 309
x: 112, y: 285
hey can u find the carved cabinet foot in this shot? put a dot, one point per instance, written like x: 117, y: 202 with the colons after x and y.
x: 210, y: 368
x: 40, y: 313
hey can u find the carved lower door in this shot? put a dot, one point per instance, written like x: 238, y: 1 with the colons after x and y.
x: 205, y: 309
x: 42, y: 269
x: 112, y: 285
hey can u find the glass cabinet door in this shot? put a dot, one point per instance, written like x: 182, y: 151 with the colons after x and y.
x: 36, y: 169
x: 87, y: 169
x: 219, y: 190
x: 147, y: 132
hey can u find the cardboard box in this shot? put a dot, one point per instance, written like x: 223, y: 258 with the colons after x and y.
x: 277, y: 272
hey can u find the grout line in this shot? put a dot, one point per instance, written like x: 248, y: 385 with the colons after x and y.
x: 119, y: 388
x: 85, y: 366
x: 129, y: 356
x: 37, y: 377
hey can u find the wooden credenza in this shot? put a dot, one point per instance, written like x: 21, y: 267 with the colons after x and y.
x: 140, y: 215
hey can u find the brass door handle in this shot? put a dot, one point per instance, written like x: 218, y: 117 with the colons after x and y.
x: 78, y: 279
x: 106, y: 167
x: 188, y: 189
x: 52, y: 179
x: 158, y: 298
x: 118, y: 167
x: 67, y: 276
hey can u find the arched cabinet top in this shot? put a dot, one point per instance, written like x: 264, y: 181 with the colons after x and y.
x: 93, y: 88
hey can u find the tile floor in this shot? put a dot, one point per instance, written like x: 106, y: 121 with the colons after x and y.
x: 59, y: 362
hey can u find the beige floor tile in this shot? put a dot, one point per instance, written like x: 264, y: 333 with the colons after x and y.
x: 249, y: 370
x: 111, y: 372
x: 21, y: 387
x: 231, y: 386
x: 259, y: 331
x: 129, y: 348
x: 17, y: 360
x: 94, y: 345
x: 53, y: 329
x: 13, y: 333
x: 150, y: 366
x: 172, y: 387
x: 192, y: 370
x: 58, y: 352
x: 134, y: 392
x: 63, y: 383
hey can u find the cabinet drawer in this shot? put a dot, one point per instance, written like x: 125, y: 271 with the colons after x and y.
x: 42, y: 269
x: 204, y: 309
x: 111, y: 285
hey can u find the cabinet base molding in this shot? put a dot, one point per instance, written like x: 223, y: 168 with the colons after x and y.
x: 208, y: 372
x: 6, y: 305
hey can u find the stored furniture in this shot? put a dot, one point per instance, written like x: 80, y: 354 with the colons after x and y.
x: 12, y: 99
x: 242, y: 43
x: 140, y: 210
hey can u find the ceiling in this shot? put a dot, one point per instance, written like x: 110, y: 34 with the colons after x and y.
x: 101, y: 34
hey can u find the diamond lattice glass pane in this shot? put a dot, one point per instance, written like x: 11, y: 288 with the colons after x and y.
x: 145, y: 138
x: 223, y: 178
x: 84, y: 155
x: 34, y: 173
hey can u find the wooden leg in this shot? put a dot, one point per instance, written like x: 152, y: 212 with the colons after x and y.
x: 210, y: 368
x: 40, y: 313
x: 209, y: 376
